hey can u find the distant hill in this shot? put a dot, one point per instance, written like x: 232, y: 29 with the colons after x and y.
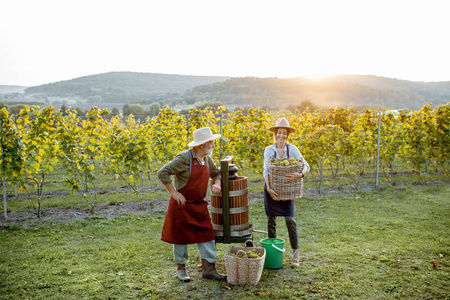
x: 122, y: 87
x: 272, y: 93
x: 9, y: 89
x: 339, y: 90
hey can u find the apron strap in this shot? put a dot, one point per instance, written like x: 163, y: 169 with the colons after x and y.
x: 190, y: 163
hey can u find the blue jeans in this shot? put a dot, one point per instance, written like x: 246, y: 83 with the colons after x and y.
x: 207, y: 251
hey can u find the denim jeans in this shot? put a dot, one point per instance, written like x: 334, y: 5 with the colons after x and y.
x: 207, y: 251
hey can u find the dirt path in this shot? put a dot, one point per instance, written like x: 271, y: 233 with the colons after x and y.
x: 104, y: 210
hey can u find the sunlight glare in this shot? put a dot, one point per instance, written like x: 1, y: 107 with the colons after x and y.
x: 317, y: 74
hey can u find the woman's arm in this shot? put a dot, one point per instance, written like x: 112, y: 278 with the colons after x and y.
x: 267, y: 156
x: 296, y: 176
x: 271, y: 192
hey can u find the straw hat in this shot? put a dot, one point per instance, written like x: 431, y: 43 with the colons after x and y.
x: 203, y: 135
x: 282, y: 123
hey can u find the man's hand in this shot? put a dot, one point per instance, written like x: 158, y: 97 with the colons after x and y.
x: 216, y: 188
x: 179, y: 198
x: 175, y: 194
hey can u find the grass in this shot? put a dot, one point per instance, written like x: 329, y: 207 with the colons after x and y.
x: 390, y: 243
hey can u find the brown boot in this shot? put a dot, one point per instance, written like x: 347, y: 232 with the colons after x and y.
x: 209, y: 271
x: 182, y: 274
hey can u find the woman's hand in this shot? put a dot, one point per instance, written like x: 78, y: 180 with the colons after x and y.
x: 273, y: 194
x: 179, y: 198
x: 293, y: 177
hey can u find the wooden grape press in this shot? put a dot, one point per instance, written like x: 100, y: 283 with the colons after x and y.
x: 230, y: 207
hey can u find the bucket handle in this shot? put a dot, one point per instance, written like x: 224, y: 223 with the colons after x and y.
x: 281, y: 250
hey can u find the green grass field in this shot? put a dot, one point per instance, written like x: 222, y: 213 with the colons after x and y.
x: 393, y: 242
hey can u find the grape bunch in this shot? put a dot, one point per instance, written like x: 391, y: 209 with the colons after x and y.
x: 252, y: 253
x: 284, y: 162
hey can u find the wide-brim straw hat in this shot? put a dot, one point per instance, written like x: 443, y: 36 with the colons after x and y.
x: 203, y: 135
x: 282, y: 123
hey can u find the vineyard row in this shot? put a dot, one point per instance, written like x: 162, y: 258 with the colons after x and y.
x: 35, y: 140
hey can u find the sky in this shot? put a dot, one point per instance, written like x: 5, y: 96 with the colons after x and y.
x: 47, y: 41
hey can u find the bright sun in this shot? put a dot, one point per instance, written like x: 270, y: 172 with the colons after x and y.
x: 317, y: 74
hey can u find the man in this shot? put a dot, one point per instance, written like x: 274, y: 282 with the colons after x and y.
x: 187, y: 219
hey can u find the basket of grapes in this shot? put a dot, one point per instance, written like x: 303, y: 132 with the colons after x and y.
x: 278, y: 169
x: 244, y: 265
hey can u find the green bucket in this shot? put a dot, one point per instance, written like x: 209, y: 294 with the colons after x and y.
x: 274, y: 253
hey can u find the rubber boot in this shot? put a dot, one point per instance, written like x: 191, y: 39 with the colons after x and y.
x: 182, y: 273
x: 209, y: 271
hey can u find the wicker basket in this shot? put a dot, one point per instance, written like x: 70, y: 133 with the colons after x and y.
x: 244, y: 270
x: 286, y: 190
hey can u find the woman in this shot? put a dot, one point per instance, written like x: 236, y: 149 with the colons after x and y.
x: 273, y: 206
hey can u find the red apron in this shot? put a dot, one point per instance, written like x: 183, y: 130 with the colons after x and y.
x: 190, y: 223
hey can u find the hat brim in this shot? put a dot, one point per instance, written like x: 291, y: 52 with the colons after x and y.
x: 197, y: 143
x: 274, y: 129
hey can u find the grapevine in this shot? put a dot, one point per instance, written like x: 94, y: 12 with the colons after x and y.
x: 36, y: 140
